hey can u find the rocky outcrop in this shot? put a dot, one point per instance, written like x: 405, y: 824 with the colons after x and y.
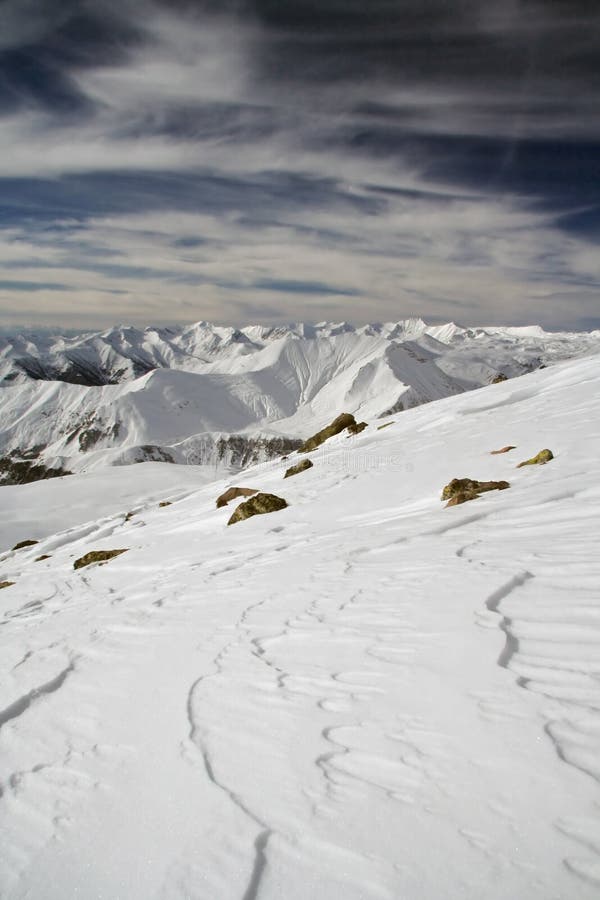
x: 239, y: 451
x: 43, y: 557
x: 97, y: 556
x: 299, y: 467
x: 22, y: 544
x: 540, y: 459
x: 257, y: 505
x: 22, y: 471
x: 499, y: 378
x: 232, y: 493
x: 460, y: 490
x: 4, y: 584
x: 503, y: 449
x: 236, y: 451
x: 164, y: 503
x: 343, y: 421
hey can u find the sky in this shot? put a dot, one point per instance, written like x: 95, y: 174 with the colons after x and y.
x: 273, y: 161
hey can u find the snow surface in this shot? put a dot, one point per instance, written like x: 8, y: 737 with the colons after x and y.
x: 33, y: 511
x: 365, y: 695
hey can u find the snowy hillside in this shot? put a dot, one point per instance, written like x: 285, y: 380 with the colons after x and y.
x: 223, y: 397
x: 364, y: 695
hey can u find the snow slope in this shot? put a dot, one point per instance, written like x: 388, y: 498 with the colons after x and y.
x: 33, y: 511
x: 177, y: 394
x: 365, y: 695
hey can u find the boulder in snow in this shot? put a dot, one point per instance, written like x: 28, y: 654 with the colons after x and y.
x: 459, y: 490
x: 257, y: 506
x: 540, y: 459
x: 96, y: 556
x: 344, y: 420
x: 22, y: 544
x: 357, y: 427
x: 299, y: 467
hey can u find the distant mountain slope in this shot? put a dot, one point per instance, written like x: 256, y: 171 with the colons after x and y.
x: 223, y: 396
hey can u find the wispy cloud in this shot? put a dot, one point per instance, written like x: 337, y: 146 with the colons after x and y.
x: 284, y: 161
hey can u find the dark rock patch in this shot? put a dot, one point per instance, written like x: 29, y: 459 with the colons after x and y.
x: 240, y: 451
x: 385, y: 425
x: 460, y: 490
x: 503, y: 449
x: 499, y: 378
x: 299, y: 467
x: 343, y: 421
x: 88, y: 438
x: 357, y: 427
x: 152, y: 453
x: 22, y: 544
x: 97, y: 556
x: 22, y: 471
x: 257, y: 506
x: 540, y: 459
x: 42, y: 557
x: 4, y: 584
x: 164, y: 503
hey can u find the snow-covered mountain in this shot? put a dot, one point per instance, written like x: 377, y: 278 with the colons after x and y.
x: 224, y: 397
x: 365, y: 695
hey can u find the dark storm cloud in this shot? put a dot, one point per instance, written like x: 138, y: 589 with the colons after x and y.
x: 42, y: 42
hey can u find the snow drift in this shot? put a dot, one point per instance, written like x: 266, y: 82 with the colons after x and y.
x: 363, y: 695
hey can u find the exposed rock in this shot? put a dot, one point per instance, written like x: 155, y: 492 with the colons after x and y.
x: 96, y: 556
x: 239, y: 451
x: 540, y: 459
x: 357, y: 427
x: 500, y: 377
x: 385, y: 425
x: 42, y: 557
x: 299, y: 467
x: 459, y: 490
x: 257, y: 506
x: 129, y: 516
x: 21, y: 471
x: 345, y: 420
x: 232, y: 493
x: 22, y: 544
x: 164, y: 503
x: 503, y: 449
x: 151, y: 453
x: 88, y: 438
x: 77, y: 370
x: 4, y: 584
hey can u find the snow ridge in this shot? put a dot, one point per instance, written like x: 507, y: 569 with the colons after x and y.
x: 127, y: 395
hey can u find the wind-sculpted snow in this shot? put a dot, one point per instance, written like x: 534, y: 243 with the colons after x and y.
x: 125, y: 395
x: 366, y: 695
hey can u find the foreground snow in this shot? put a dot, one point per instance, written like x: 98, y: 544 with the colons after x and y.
x: 363, y: 696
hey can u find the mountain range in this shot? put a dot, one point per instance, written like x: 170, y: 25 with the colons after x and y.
x: 225, y: 397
